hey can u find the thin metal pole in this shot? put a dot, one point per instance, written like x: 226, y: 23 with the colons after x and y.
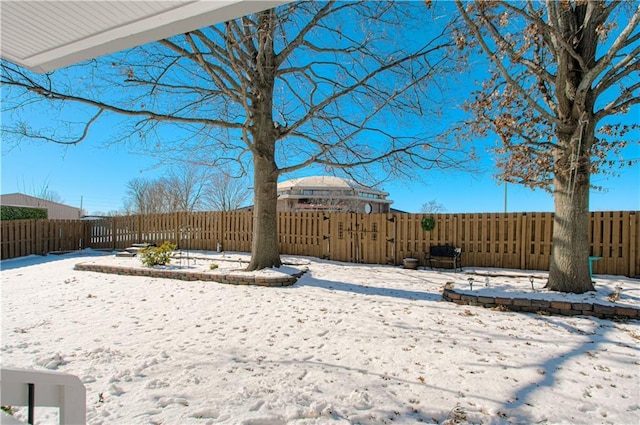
x: 505, y: 197
x: 31, y: 400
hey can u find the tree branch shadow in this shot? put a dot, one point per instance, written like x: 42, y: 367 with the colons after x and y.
x: 549, y: 368
x: 309, y: 280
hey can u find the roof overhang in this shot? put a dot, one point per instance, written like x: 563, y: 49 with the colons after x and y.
x: 46, y: 35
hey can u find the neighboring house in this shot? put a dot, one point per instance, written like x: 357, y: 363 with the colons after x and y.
x: 332, y: 194
x: 55, y: 210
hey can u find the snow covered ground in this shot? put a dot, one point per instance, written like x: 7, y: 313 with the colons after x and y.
x: 349, y: 344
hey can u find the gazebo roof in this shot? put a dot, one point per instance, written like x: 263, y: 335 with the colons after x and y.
x: 325, y: 182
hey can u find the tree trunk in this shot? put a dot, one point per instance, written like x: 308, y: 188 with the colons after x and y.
x: 264, y: 247
x: 569, y: 268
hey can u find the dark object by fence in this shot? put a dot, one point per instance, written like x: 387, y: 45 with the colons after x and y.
x: 445, y: 254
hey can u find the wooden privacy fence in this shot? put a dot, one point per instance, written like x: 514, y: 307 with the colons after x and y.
x: 513, y: 240
x: 192, y: 231
x: 26, y: 237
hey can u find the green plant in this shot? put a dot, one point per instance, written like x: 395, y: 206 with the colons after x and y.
x: 213, y: 266
x: 428, y: 223
x: 8, y: 410
x: 157, y: 255
x: 21, y: 213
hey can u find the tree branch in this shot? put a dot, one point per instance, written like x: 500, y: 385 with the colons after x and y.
x: 503, y: 70
x: 24, y: 131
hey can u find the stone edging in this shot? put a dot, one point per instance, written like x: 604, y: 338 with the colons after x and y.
x: 226, y: 278
x: 527, y: 305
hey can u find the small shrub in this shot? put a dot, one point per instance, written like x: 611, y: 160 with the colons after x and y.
x: 157, y: 255
x: 213, y: 266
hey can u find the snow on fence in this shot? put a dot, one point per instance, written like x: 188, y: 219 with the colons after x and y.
x: 35, y: 388
x: 511, y: 240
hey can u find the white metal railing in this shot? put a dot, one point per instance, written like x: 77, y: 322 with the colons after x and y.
x: 31, y: 388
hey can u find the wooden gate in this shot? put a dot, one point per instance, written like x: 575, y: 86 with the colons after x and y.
x: 362, y: 238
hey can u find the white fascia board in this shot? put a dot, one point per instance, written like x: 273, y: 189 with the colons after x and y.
x: 191, y: 16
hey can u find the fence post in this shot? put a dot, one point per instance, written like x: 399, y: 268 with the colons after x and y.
x: 177, y: 230
x: 522, y: 246
x: 395, y: 238
x: 219, y: 225
x: 114, y: 232
x: 634, y: 244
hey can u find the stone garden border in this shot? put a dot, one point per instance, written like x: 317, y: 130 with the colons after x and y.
x: 527, y: 305
x: 231, y: 278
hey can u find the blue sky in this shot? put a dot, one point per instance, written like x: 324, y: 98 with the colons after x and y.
x: 94, y: 176
x: 99, y: 175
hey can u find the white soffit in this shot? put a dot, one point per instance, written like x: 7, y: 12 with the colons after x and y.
x: 48, y: 34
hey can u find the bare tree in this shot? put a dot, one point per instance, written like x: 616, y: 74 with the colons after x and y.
x: 145, y: 196
x: 322, y: 83
x: 186, y: 187
x: 183, y: 188
x: 563, y: 75
x: 225, y: 193
x: 433, y: 207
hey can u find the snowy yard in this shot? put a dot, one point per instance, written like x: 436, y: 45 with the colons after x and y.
x: 348, y: 343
